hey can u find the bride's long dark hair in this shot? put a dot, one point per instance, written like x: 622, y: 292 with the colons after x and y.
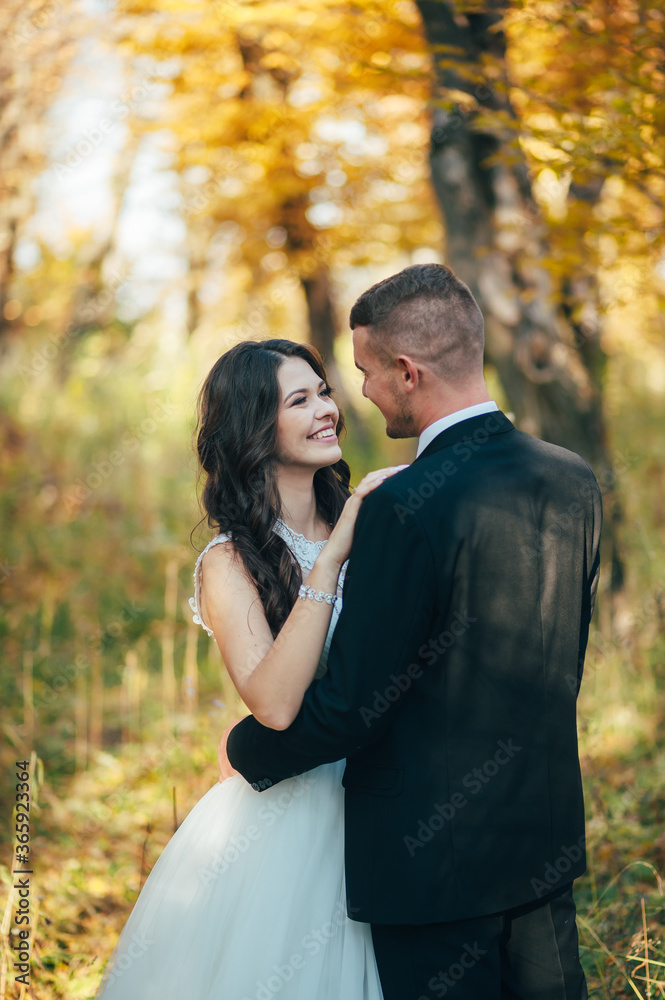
x: 236, y: 441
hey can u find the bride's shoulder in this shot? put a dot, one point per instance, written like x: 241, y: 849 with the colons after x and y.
x: 214, y: 549
x: 215, y: 553
x: 221, y: 568
x: 221, y: 579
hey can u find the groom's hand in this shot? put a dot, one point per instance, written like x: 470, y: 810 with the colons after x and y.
x: 225, y: 769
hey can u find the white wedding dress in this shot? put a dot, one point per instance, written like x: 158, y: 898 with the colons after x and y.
x: 247, y: 901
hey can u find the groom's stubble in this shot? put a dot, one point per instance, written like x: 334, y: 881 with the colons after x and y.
x: 401, y: 423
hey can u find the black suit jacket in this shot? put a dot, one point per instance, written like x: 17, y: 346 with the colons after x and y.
x: 452, y: 680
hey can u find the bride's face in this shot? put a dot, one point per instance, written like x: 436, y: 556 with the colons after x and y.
x: 305, y: 409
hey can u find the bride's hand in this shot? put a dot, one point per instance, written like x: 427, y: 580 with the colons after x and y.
x: 338, y: 546
x: 225, y: 769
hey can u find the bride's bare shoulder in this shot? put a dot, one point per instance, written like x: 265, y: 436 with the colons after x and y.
x: 223, y: 559
x: 230, y: 603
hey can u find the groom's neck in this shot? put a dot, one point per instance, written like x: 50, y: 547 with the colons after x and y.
x: 444, y: 401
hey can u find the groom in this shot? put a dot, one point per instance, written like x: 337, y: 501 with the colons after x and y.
x: 454, y: 671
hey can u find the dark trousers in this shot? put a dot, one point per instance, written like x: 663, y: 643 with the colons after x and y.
x: 528, y: 953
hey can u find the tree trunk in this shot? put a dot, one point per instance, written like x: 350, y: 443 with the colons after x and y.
x: 323, y: 331
x: 320, y: 311
x: 496, y: 242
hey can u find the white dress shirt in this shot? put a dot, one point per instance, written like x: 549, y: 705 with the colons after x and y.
x: 433, y: 430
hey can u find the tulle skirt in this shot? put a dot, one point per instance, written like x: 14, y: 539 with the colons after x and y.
x: 248, y: 902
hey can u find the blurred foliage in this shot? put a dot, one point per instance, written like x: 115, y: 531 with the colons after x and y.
x: 298, y: 137
x: 304, y: 124
x: 587, y: 81
x: 40, y: 39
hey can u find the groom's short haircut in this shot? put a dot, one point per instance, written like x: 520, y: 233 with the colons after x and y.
x: 427, y: 312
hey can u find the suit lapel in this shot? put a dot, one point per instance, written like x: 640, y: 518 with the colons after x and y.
x: 474, y: 428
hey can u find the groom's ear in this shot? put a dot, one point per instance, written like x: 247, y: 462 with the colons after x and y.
x: 408, y: 371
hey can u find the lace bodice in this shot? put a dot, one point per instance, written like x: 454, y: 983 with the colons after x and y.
x: 305, y: 550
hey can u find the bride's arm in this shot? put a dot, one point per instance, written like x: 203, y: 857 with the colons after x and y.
x: 271, y: 676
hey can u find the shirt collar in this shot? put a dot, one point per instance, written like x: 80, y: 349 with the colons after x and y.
x: 442, y: 424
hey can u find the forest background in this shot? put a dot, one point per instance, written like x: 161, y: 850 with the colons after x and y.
x: 179, y: 175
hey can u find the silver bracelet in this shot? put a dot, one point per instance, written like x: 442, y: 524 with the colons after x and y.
x: 316, y: 595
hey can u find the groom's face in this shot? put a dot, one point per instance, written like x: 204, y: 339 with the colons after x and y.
x: 383, y: 387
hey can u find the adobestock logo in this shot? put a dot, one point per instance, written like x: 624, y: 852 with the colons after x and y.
x: 474, y: 781
x: 430, y: 651
x: 554, y: 872
x: 444, y: 980
x: 436, y: 479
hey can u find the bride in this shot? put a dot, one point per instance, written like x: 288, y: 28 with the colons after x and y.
x: 247, y: 900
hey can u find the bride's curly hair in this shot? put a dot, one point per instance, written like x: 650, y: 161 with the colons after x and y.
x: 236, y: 442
